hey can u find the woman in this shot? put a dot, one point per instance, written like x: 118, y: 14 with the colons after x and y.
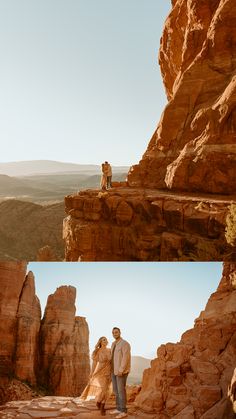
x: 100, y: 378
x: 104, y: 177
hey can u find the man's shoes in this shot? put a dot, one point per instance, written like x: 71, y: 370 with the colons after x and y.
x: 114, y: 412
x: 121, y: 415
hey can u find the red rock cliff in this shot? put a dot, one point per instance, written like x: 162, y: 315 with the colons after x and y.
x: 193, y: 147
x: 12, y: 278
x: 190, y: 379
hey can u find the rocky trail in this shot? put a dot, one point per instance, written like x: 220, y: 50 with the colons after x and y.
x: 60, y: 407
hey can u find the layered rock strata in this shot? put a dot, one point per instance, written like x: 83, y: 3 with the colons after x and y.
x: 64, y: 346
x: 28, y: 325
x: 190, y: 379
x: 193, y: 147
x: 146, y: 225
x: 25, y: 339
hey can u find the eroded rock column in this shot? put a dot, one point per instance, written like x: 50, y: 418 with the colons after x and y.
x: 28, y: 325
x: 64, y: 350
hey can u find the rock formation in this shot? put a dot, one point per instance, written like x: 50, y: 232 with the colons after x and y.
x: 232, y: 391
x: 134, y: 224
x: 64, y: 345
x: 193, y: 148
x: 190, y: 379
x: 176, y: 200
x: 28, y: 325
x: 53, y: 352
x: 12, y: 278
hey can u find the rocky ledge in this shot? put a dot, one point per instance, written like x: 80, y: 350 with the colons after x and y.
x: 145, y: 224
x: 61, y: 407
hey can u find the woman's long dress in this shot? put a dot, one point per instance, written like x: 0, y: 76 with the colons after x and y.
x: 103, y: 182
x: 99, y: 385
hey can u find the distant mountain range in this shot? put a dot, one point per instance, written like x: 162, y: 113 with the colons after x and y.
x: 138, y: 365
x: 51, y: 180
x: 45, y: 167
x: 32, y: 207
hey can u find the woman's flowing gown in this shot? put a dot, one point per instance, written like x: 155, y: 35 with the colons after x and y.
x: 103, y: 182
x: 99, y: 385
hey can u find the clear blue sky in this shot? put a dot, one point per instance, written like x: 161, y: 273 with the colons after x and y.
x: 80, y: 80
x: 153, y: 303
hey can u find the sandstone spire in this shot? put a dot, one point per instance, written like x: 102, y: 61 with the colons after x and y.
x: 64, y: 350
x: 28, y: 325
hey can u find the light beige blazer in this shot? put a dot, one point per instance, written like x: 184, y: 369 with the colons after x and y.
x: 122, y: 357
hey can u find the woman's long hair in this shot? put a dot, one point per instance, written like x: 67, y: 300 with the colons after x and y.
x: 97, y: 346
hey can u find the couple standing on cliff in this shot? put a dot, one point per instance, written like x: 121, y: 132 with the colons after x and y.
x: 109, y: 365
x: 106, y: 176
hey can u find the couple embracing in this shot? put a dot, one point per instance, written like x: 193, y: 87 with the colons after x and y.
x: 110, y: 365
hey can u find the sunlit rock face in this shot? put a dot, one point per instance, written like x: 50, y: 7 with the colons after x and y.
x: 194, y: 147
x: 12, y: 299
x: 53, y: 352
x: 190, y: 379
x: 28, y: 325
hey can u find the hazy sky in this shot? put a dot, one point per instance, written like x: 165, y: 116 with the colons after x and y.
x: 153, y: 303
x: 80, y: 80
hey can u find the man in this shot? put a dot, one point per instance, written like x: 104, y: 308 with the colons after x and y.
x: 120, y: 367
x: 108, y: 174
